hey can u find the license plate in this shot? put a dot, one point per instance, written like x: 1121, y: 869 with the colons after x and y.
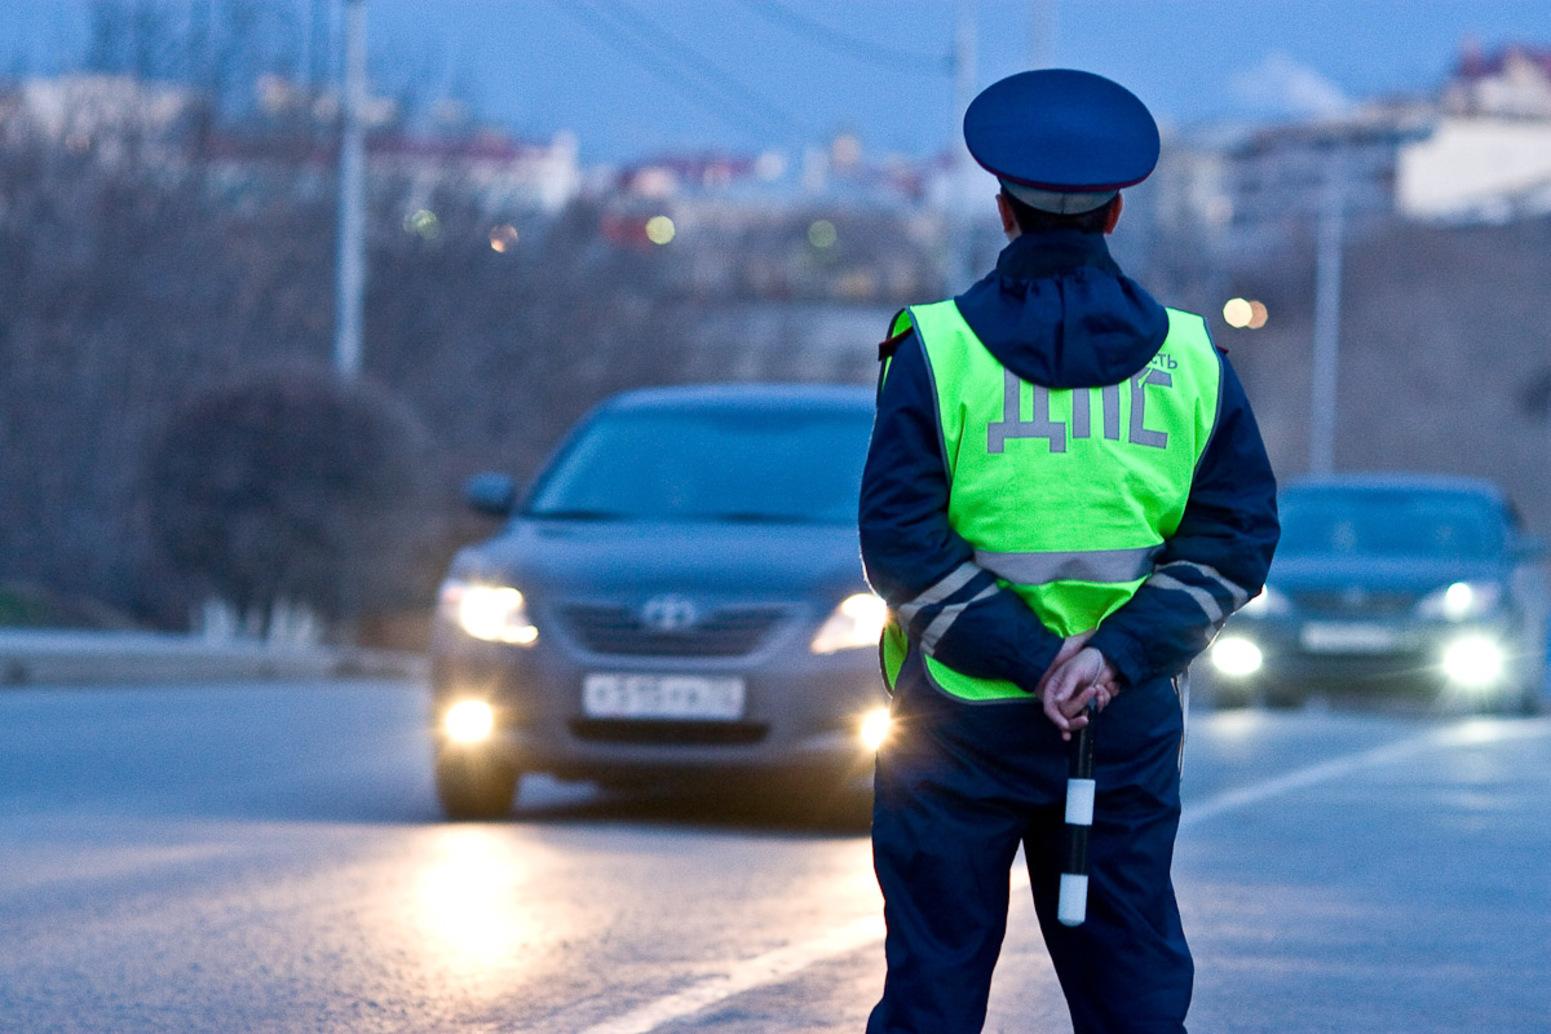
x: 662, y: 696
x: 1349, y: 638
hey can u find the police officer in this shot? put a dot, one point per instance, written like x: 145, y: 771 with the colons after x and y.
x: 1065, y: 497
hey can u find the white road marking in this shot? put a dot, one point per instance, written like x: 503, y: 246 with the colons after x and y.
x: 770, y: 968
x: 781, y: 963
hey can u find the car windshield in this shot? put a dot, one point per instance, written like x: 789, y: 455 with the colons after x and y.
x: 749, y: 465
x: 1389, y: 523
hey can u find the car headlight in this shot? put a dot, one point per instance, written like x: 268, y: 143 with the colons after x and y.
x: 1474, y: 661
x: 1266, y: 603
x: 493, y: 613
x: 873, y: 728
x: 857, y: 622
x: 468, y: 721
x: 1461, y: 601
x: 1236, y: 656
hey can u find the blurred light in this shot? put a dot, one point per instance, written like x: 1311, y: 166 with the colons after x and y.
x: 423, y: 223
x: 1258, y: 314
x: 468, y: 721
x: 1236, y: 656
x: 857, y: 622
x: 468, y: 903
x: 1237, y: 312
x: 846, y: 150
x: 821, y: 234
x: 771, y: 165
x: 1474, y: 661
x: 1460, y: 600
x: 660, y: 229
x: 493, y: 613
x: 874, y: 728
x: 503, y: 238
x: 1241, y: 728
x: 1267, y: 602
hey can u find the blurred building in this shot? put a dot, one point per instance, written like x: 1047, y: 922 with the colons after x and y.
x: 829, y: 223
x: 1488, y: 156
x: 1512, y: 82
x: 102, y: 115
x: 1244, y: 191
x: 1478, y: 150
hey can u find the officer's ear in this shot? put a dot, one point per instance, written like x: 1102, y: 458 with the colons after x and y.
x: 1009, y: 221
x: 1115, y: 206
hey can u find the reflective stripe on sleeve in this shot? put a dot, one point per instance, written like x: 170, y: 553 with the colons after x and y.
x: 1094, y: 565
x: 1237, y: 594
x: 1205, y: 600
x: 945, y: 586
x: 944, y: 620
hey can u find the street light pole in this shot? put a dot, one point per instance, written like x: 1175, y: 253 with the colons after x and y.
x: 957, y: 224
x: 1043, y: 21
x: 350, y: 269
x: 1327, y: 320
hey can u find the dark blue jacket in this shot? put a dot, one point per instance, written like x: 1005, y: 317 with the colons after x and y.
x: 1057, y: 311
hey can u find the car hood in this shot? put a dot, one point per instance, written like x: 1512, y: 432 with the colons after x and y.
x: 635, y: 558
x: 1402, y: 574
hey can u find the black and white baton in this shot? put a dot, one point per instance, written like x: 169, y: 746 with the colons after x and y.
x: 1072, y: 907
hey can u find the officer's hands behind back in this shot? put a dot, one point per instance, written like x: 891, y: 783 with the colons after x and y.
x: 1077, y: 675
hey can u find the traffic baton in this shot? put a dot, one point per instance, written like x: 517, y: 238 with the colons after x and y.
x: 1072, y: 907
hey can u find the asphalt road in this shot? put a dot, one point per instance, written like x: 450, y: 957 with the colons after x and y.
x: 269, y: 857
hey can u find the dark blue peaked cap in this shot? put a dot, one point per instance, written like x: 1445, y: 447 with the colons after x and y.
x: 1061, y: 130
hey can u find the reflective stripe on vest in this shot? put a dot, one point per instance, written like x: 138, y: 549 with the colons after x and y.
x: 1067, y: 495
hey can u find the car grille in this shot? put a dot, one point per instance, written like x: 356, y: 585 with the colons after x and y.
x: 1371, y: 603
x: 667, y: 733
x: 728, y: 632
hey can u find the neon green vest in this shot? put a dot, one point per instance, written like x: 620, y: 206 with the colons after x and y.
x: 1065, y: 494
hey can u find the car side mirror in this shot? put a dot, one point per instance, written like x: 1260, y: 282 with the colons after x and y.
x: 494, y: 495
x: 1530, y: 547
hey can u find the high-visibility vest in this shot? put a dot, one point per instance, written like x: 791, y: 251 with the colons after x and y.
x: 1065, y: 494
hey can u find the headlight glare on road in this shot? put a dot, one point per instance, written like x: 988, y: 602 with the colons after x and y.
x: 1460, y: 601
x: 873, y: 729
x: 857, y: 622
x: 492, y: 613
x: 468, y: 721
x: 1236, y: 656
x: 1474, y: 661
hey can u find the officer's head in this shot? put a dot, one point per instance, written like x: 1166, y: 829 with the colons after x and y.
x: 1020, y: 217
x: 1062, y: 143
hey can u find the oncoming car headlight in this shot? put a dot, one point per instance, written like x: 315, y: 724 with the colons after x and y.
x: 468, y: 721
x: 873, y: 728
x: 1236, y: 656
x: 1460, y: 601
x: 493, y: 613
x: 1474, y: 661
x: 857, y: 622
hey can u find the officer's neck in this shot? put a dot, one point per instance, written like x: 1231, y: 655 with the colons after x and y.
x: 1043, y: 253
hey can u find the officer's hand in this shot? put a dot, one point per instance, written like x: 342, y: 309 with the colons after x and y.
x: 1085, y: 676
x: 1069, y: 648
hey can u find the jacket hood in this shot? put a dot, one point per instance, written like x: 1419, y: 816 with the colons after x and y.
x: 1057, y: 311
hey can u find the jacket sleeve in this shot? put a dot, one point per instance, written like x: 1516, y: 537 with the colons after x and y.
x: 925, y: 571
x: 1216, y: 560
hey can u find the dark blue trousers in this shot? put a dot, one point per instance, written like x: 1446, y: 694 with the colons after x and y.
x: 958, y: 788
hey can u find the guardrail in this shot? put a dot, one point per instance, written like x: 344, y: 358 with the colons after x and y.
x: 31, y: 657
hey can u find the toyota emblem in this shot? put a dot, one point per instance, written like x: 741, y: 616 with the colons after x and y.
x: 670, y: 614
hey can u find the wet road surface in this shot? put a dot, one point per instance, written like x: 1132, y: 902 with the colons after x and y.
x: 270, y: 857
